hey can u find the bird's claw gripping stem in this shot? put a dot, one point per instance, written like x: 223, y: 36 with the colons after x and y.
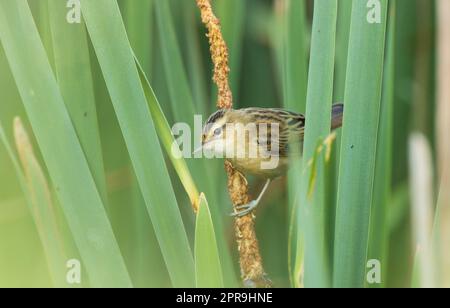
x: 242, y: 210
x: 245, y: 209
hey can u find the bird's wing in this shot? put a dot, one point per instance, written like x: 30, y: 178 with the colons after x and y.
x: 293, y: 132
x: 284, y: 129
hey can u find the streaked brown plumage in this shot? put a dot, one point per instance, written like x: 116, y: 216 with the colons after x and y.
x: 282, y: 143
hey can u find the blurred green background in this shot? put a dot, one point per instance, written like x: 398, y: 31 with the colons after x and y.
x: 269, y: 44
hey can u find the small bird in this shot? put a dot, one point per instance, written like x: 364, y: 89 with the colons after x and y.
x: 258, y: 141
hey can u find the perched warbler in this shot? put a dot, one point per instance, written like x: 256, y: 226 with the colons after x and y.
x: 258, y: 141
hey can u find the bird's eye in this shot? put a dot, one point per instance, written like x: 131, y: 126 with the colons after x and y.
x: 217, y: 131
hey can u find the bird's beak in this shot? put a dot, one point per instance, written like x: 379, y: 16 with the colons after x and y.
x: 198, y: 150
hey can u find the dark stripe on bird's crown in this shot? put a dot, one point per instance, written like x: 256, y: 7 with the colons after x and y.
x: 216, y: 115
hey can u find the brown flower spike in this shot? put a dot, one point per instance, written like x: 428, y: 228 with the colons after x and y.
x: 219, y: 54
x: 252, y: 270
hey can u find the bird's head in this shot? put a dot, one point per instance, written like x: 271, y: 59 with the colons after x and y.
x: 214, y: 132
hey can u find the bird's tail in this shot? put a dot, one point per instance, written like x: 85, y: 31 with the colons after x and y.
x: 337, y: 113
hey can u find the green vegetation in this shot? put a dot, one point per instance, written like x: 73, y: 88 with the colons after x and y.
x: 88, y: 171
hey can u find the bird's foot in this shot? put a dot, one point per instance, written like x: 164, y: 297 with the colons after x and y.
x: 242, y: 210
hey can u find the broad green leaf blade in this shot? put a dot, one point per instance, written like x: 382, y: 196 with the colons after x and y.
x: 168, y: 141
x: 407, y: 24
x: 296, y: 56
x: 73, y: 72
x: 359, y: 141
x: 139, y: 21
x: 40, y: 12
x: 181, y: 97
x: 115, y: 56
x: 41, y: 205
x: 207, y: 262
x: 295, y: 81
x: 342, y: 36
x: 60, y: 147
x: 179, y: 91
x: 15, y: 161
x: 318, y: 115
x: 298, y: 258
x: 36, y: 192
x: 379, y: 233
x: 184, y: 111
